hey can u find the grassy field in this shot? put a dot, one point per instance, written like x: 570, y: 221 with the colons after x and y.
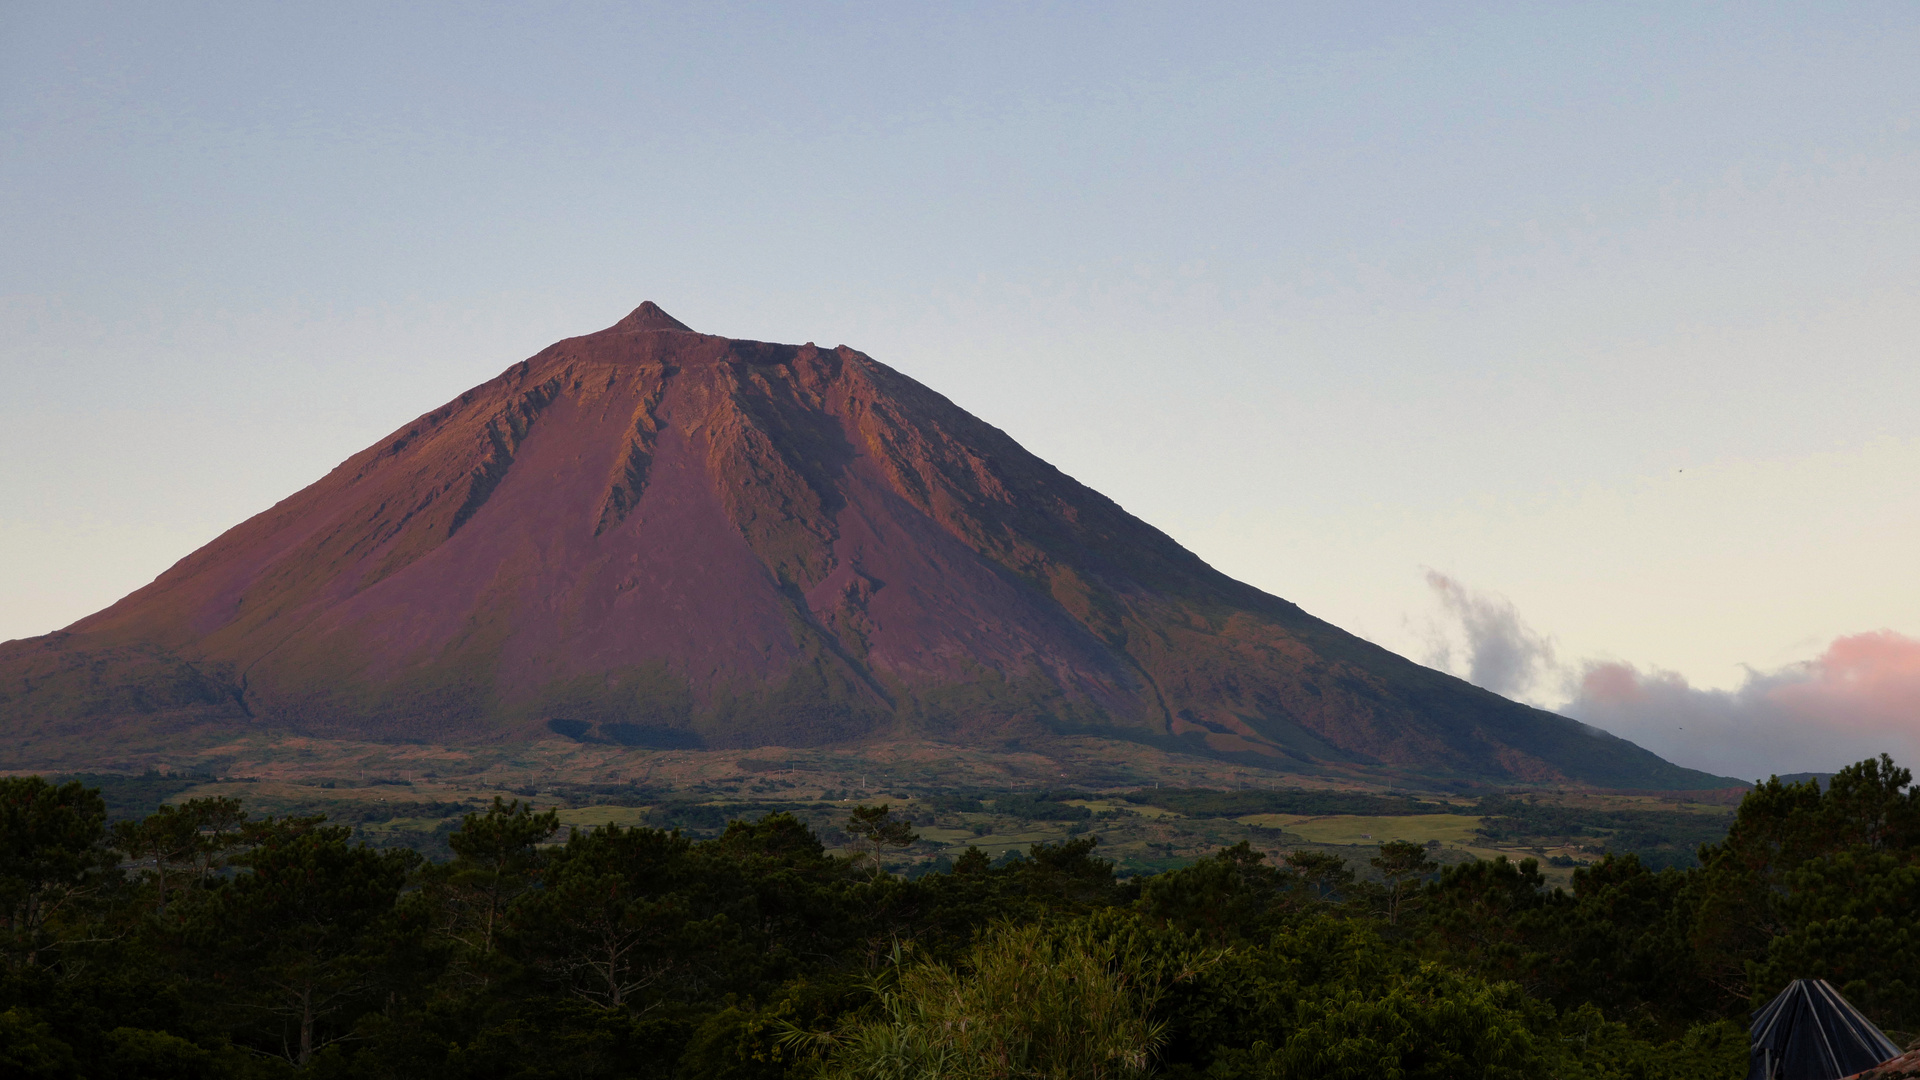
x: 1354, y: 829
x: 592, y: 817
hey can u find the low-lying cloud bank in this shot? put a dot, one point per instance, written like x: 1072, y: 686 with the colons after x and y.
x: 1859, y: 698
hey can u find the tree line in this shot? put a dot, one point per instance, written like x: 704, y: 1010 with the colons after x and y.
x: 199, y: 941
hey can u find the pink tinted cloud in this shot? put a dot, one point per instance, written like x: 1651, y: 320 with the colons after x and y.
x: 1868, y: 680
x: 1859, y: 698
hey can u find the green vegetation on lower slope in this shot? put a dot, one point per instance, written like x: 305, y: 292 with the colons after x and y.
x: 1145, y: 830
x: 1205, y: 803
x: 205, y: 940
x: 1660, y: 838
x: 138, y: 796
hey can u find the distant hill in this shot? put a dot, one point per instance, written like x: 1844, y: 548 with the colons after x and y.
x: 654, y: 537
x: 1824, y: 779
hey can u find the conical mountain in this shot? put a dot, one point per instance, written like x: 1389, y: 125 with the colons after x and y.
x: 658, y: 537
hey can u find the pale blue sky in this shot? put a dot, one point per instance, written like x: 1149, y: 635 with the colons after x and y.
x: 1336, y: 294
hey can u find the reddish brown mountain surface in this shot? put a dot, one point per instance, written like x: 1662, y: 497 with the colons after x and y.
x: 657, y: 537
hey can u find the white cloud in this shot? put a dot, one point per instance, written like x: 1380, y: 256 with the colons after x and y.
x: 1495, y: 648
x: 1859, y: 698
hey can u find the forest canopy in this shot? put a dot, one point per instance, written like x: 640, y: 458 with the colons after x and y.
x: 196, y: 940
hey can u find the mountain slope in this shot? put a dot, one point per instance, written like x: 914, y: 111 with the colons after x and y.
x: 658, y: 537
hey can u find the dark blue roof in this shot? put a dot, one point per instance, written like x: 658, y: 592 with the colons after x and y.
x: 1810, y: 1032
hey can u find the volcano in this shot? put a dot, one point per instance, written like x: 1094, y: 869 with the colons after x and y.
x: 656, y: 537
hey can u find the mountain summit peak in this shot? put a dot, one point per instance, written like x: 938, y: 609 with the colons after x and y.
x: 648, y: 316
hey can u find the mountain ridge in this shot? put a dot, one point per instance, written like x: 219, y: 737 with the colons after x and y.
x: 656, y: 537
